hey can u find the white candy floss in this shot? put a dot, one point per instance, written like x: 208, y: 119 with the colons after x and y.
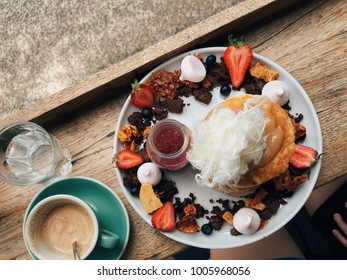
x: 226, y: 144
x: 149, y: 173
x: 192, y: 69
x: 246, y: 221
x: 277, y: 91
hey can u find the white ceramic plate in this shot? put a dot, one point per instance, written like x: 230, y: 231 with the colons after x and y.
x: 184, y: 179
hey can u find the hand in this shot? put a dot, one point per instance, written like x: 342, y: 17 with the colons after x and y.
x: 343, y: 227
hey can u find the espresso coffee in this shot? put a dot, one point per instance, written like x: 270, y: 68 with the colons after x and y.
x: 65, y: 224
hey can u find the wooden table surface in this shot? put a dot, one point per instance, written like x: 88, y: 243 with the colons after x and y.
x: 308, y: 41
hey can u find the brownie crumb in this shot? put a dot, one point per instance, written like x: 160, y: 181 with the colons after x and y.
x: 287, y: 106
x: 252, y: 85
x: 218, y: 73
x: 173, y: 105
x: 130, y: 178
x: 200, y: 210
x: 184, y: 90
x: 216, y: 222
x: 234, y: 232
x: 136, y: 119
x: 203, y: 95
x: 166, y: 190
x: 159, y: 112
x: 298, y: 117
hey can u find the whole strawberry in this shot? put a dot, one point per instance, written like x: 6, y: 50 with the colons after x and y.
x: 237, y: 57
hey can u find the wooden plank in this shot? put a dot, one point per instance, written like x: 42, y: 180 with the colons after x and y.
x: 115, y: 78
x: 319, y: 67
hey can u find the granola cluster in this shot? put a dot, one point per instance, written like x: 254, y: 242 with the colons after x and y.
x: 164, y: 83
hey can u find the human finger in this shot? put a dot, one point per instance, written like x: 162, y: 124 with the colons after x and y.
x: 340, y: 222
x: 340, y: 237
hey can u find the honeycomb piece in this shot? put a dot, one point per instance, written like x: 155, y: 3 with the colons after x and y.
x: 261, y: 71
x: 149, y: 198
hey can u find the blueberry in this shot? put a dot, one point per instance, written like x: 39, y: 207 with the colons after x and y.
x: 135, y: 191
x: 210, y: 60
x: 225, y: 90
x: 206, y: 229
x: 147, y: 113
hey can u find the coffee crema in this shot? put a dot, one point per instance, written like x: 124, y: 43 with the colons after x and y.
x: 65, y: 224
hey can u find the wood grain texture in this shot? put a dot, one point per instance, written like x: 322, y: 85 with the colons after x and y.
x: 309, y: 42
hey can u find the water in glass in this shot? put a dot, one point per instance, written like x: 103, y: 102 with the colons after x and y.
x: 31, y: 155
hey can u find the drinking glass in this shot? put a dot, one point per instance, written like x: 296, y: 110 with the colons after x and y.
x: 30, y: 155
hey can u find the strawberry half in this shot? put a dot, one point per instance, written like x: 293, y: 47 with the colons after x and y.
x: 142, y: 96
x: 303, y: 157
x: 127, y: 159
x: 237, y: 57
x: 164, y: 218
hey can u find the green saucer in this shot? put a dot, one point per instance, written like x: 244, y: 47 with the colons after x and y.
x: 107, y: 206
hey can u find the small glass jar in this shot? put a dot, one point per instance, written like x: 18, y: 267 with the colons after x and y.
x: 168, y: 143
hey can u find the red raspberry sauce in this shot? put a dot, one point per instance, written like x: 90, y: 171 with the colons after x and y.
x: 169, y: 141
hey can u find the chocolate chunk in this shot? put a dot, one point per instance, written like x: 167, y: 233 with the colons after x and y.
x: 174, y: 105
x: 216, y: 222
x: 166, y: 190
x: 184, y: 90
x: 159, y: 112
x: 130, y: 178
x: 203, y: 95
x: 252, y: 85
x: 136, y: 119
x: 218, y: 73
x: 234, y: 232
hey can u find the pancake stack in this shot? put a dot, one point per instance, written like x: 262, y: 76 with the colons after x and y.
x: 279, y: 138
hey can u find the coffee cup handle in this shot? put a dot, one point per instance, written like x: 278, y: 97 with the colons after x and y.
x: 107, y: 239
